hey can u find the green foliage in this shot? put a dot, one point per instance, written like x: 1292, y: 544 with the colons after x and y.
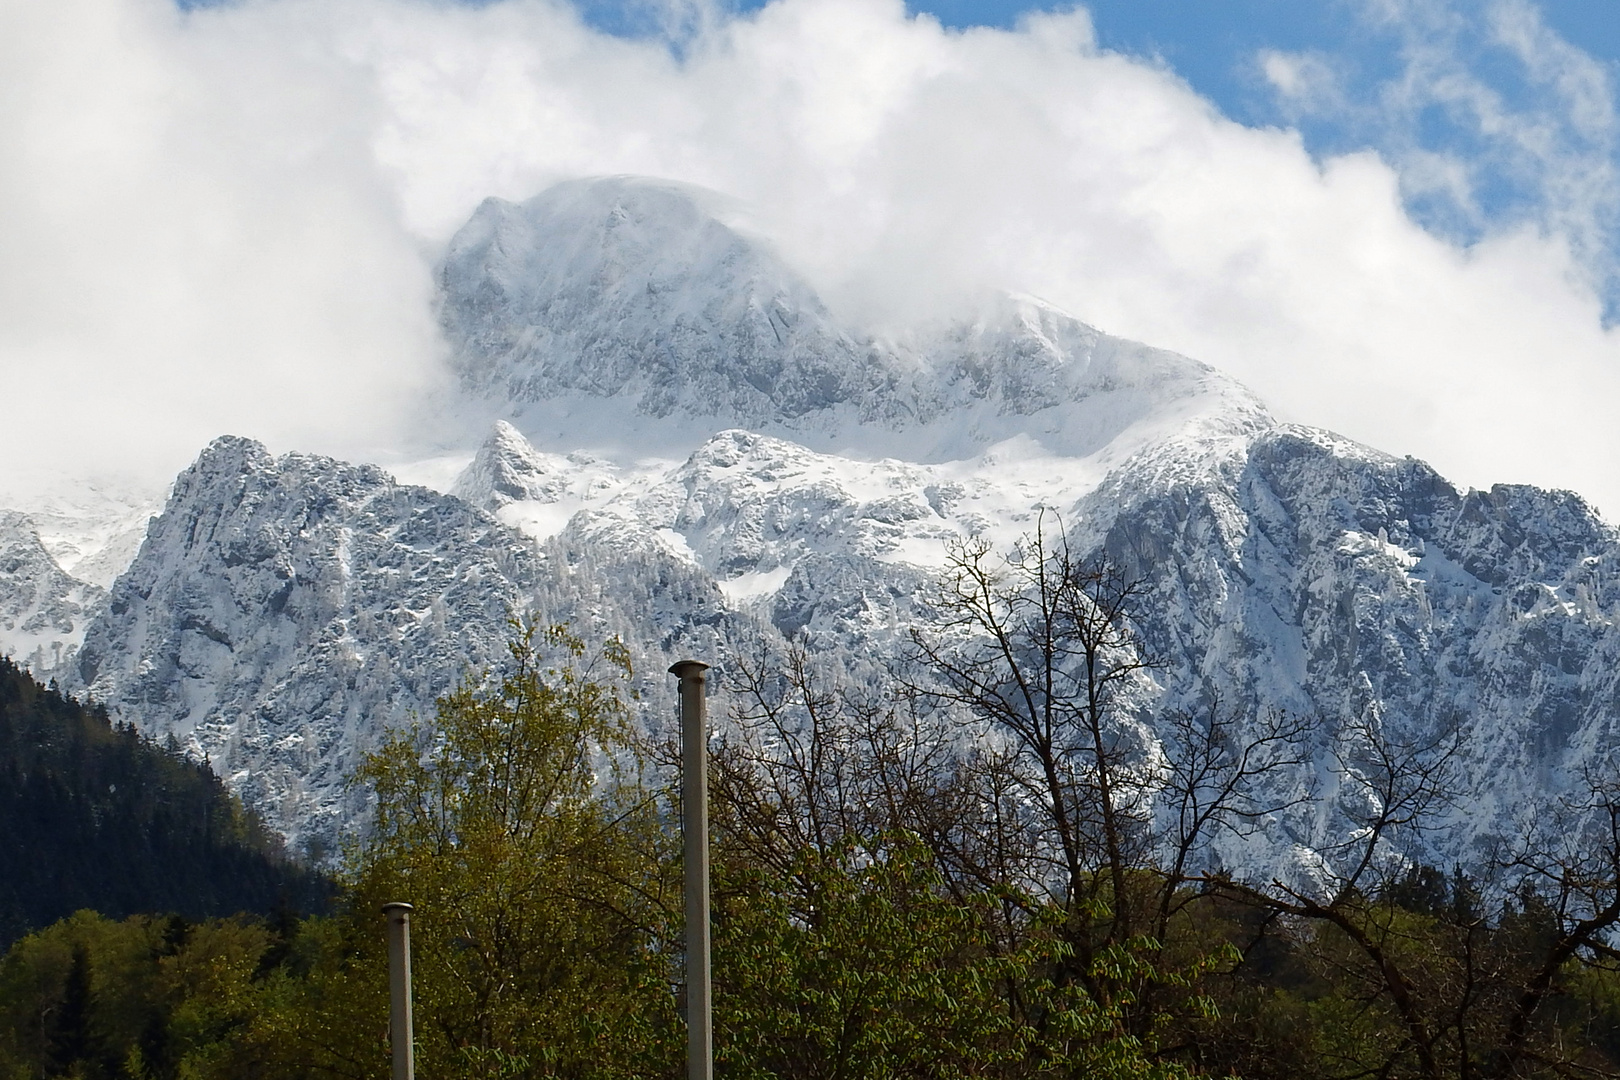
x: 518, y: 827
x: 544, y: 874
x: 1417, y: 982
x: 144, y: 997
x: 849, y: 967
x: 857, y: 965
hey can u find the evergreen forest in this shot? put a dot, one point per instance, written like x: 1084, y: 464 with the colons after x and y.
x: 93, y: 816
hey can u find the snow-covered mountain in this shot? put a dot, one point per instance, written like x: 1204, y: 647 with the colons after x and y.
x: 59, y: 553
x: 1303, y: 571
x: 636, y: 291
x: 691, y: 446
x: 284, y: 612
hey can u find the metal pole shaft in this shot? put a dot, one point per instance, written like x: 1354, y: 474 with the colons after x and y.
x: 400, y: 1035
x: 695, y: 835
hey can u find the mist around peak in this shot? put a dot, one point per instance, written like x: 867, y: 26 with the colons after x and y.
x: 634, y: 291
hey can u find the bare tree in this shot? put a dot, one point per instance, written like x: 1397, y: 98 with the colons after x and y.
x: 1213, y: 778
x: 1037, y: 653
x: 1023, y: 752
x: 1035, y: 647
x: 814, y: 758
x: 1569, y: 875
x: 1396, y: 788
x: 1466, y: 995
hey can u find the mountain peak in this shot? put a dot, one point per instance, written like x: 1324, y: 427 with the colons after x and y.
x: 621, y: 285
x: 285, y: 611
x: 507, y: 469
x: 636, y: 290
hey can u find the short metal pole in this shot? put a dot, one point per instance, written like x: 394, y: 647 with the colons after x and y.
x: 400, y: 1035
x: 695, y: 835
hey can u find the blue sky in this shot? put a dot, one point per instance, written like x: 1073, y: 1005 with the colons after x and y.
x: 1216, y: 47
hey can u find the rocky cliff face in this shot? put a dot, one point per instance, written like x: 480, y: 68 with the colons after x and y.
x: 1300, y: 571
x: 283, y: 612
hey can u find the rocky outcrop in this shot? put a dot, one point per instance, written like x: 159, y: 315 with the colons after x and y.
x: 1304, y: 572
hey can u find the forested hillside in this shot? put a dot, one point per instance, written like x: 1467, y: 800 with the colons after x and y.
x: 94, y: 816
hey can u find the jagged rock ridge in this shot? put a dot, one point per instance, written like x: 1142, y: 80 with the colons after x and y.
x: 507, y: 469
x: 283, y: 612
x: 1309, y: 573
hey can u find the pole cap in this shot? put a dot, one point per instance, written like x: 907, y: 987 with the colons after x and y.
x: 398, y: 905
x: 685, y: 668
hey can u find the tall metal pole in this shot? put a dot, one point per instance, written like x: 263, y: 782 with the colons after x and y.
x: 695, y: 834
x: 400, y: 1035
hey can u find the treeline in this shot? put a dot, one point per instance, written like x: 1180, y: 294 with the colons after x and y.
x: 94, y: 816
x: 974, y: 868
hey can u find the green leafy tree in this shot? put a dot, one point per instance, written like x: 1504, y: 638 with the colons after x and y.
x: 857, y: 964
x: 145, y: 997
x: 68, y: 1040
x: 520, y: 829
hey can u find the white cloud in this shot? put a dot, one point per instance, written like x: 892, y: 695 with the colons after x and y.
x: 1304, y: 81
x: 223, y: 222
x: 194, y: 238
